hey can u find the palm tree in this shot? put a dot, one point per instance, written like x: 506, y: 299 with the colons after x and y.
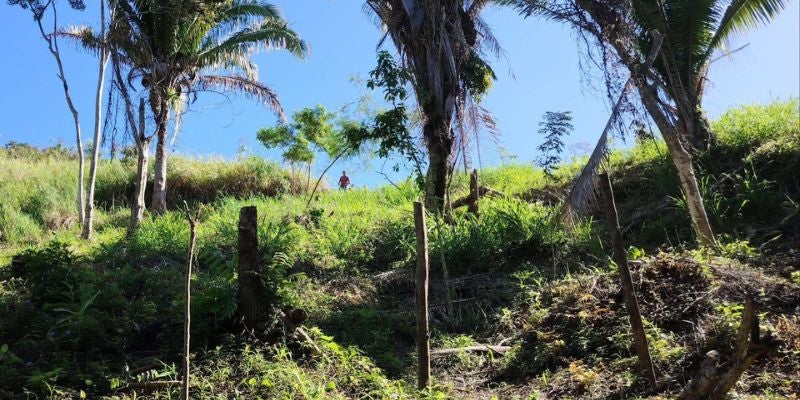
x: 671, y: 91
x: 693, y: 32
x: 177, y: 48
x: 441, y: 43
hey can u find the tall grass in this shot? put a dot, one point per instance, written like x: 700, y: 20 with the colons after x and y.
x: 37, y: 187
x: 768, y: 127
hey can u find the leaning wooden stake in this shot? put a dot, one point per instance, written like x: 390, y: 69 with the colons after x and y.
x: 639, y: 337
x: 187, y: 323
x: 423, y: 342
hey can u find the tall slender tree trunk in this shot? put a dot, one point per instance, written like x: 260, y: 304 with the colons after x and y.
x: 683, y: 163
x: 81, y: 170
x: 159, y: 200
x: 440, y: 147
x: 52, y: 46
x: 98, y: 117
x: 138, y: 204
x: 142, y: 150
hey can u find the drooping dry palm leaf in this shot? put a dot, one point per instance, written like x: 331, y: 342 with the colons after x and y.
x: 241, y: 84
x: 583, y: 194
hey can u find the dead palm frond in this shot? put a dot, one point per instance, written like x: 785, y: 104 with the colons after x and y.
x: 583, y: 194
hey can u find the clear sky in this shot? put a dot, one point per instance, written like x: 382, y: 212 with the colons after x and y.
x: 543, y: 57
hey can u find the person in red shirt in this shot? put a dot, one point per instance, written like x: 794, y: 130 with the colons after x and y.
x: 344, y: 181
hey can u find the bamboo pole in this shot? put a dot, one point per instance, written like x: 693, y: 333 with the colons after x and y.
x: 187, y: 321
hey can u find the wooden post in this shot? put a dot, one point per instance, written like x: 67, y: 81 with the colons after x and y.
x: 187, y: 321
x: 474, y: 194
x: 423, y: 339
x: 620, y: 257
x: 252, y: 292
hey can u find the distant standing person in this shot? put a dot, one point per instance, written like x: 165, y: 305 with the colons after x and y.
x: 344, y: 181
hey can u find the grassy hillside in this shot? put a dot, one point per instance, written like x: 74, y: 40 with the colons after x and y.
x: 39, y: 187
x: 100, y: 317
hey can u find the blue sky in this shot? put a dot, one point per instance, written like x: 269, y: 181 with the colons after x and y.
x: 543, y: 56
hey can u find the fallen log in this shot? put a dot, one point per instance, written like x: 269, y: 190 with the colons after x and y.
x: 151, y: 385
x: 485, y: 348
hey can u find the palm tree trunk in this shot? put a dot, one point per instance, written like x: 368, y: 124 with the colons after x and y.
x: 701, y: 136
x: 683, y: 163
x: 138, y: 206
x: 439, y: 143
x: 98, y: 114
x: 142, y: 149
x: 159, y: 200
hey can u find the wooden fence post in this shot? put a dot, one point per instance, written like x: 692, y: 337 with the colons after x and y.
x: 423, y: 339
x: 620, y: 257
x: 252, y: 292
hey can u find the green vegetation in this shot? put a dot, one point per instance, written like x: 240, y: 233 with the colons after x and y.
x: 99, y: 317
x: 37, y: 189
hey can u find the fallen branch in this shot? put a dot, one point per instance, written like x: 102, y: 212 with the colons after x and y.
x: 151, y: 385
x: 484, y: 348
x: 482, y: 191
x: 303, y: 335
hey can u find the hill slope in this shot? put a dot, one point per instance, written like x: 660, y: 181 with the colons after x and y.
x: 101, y: 317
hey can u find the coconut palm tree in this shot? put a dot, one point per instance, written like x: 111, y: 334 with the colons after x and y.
x: 442, y: 44
x: 671, y: 91
x: 694, y: 32
x: 177, y: 48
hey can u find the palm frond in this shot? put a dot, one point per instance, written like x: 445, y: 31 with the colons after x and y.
x: 741, y: 15
x: 244, y: 10
x: 271, y: 34
x: 241, y: 84
x: 236, y: 60
x: 583, y: 194
x: 84, y: 37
